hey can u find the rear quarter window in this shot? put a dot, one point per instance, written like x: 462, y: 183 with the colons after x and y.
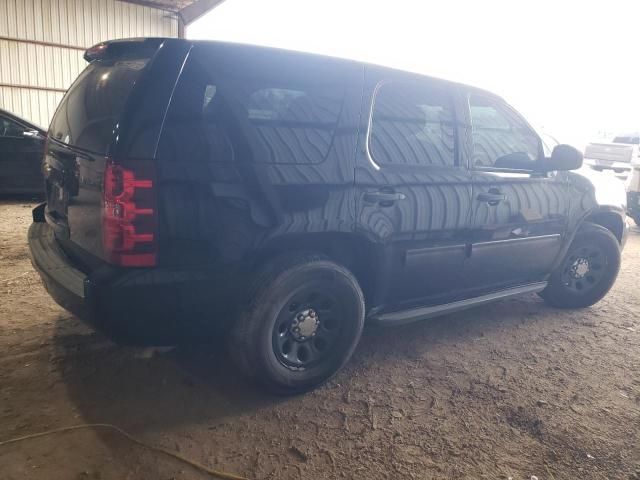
x: 226, y: 111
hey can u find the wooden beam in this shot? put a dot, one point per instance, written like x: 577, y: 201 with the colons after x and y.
x: 192, y: 12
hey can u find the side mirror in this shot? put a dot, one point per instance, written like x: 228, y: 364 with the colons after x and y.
x: 563, y: 157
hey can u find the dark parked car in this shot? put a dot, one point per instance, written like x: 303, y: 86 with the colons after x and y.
x: 283, y: 198
x: 21, y: 151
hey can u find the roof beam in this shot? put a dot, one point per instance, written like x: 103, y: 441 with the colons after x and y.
x: 158, y: 5
x: 192, y: 12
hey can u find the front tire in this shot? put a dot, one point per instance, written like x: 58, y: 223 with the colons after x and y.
x: 302, y: 322
x: 588, y: 270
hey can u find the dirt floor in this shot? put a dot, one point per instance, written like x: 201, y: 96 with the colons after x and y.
x: 511, y: 390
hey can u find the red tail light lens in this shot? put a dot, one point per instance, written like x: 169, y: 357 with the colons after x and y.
x: 129, y: 216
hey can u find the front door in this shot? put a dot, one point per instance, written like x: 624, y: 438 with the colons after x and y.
x: 413, y: 196
x: 519, y: 217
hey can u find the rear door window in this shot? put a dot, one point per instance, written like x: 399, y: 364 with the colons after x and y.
x: 89, y: 113
x: 226, y: 111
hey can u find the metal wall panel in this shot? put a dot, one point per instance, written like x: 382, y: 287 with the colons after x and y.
x: 67, y: 23
x: 35, y: 105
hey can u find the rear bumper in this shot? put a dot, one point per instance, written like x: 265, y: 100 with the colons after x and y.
x: 134, y: 306
x: 66, y: 285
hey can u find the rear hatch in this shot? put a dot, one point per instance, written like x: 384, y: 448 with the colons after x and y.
x: 98, y: 164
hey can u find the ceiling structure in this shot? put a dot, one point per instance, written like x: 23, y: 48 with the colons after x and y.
x: 168, y: 5
x: 186, y: 10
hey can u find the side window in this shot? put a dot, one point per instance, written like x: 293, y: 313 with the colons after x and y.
x: 300, y: 108
x: 295, y: 124
x: 9, y: 128
x: 412, y: 125
x: 219, y: 116
x: 499, y: 132
x: 548, y: 144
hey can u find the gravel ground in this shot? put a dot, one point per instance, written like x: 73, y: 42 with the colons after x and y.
x: 510, y: 390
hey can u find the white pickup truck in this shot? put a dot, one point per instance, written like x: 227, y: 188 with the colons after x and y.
x: 617, y: 155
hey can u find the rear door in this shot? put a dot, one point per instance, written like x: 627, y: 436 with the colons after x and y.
x: 519, y: 217
x: 20, y: 157
x: 413, y: 194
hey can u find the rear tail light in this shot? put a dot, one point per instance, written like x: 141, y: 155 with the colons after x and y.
x: 129, y: 215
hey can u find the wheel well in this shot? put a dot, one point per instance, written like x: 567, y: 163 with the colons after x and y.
x: 609, y: 220
x: 353, y: 251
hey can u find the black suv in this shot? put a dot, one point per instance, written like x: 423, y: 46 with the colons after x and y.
x: 282, y: 199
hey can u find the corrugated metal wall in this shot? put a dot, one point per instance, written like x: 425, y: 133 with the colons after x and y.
x: 34, y: 76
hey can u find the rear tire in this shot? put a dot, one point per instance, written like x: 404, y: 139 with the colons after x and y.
x: 588, y: 270
x: 302, y: 321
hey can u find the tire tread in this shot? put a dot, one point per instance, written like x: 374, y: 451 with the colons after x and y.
x: 556, y: 294
x: 246, y: 330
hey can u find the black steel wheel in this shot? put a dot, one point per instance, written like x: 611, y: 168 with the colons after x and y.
x: 588, y: 270
x: 307, y: 329
x: 303, y: 319
x: 584, y: 268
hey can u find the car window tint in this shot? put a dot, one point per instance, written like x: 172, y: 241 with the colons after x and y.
x: 548, y: 143
x: 498, y: 131
x: 412, y: 125
x: 9, y: 128
x: 90, y: 111
x: 228, y: 117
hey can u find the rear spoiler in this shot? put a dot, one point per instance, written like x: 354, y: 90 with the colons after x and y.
x: 115, y: 48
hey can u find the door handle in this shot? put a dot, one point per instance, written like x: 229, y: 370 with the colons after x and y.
x: 492, y: 198
x: 383, y: 197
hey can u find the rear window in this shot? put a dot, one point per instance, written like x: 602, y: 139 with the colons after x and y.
x: 89, y: 113
x: 264, y: 110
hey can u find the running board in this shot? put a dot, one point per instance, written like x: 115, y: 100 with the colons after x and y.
x: 422, y: 313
